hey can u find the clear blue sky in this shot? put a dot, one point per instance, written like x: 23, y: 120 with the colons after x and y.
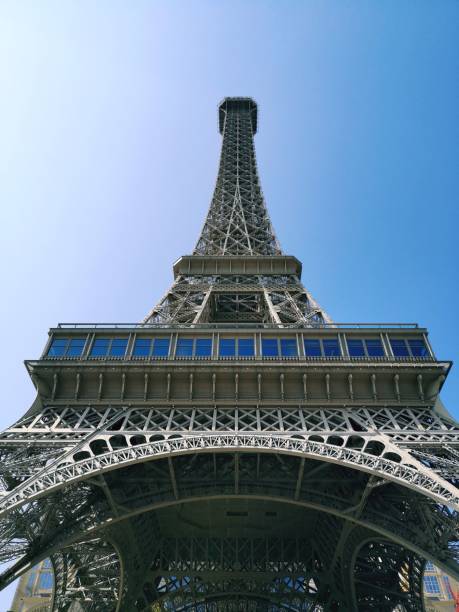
x: 109, y: 150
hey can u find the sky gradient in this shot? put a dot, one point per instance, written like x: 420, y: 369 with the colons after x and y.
x: 109, y: 151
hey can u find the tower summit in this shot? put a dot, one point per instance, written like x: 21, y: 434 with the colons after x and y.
x: 238, y: 222
x: 237, y: 450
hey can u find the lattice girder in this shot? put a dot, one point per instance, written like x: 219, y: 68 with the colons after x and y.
x: 238, y: 225
x: 238, y: 221
x: 270, y: 301
x: 88, y: 573
x: 83, y: 463
x: 399, y: 578
x: 383, y: 518
x: 250, y: 482
x: 377, y: 514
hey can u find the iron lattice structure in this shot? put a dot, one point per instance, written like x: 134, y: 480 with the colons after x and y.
x: 238, y: 224
x: 237, y: 451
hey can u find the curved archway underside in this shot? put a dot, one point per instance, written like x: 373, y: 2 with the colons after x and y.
x: 173, y: 523
x: 97, y: 456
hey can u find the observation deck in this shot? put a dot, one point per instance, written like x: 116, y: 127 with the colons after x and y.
x: 394, y: 342
x: 336, y: 364
x: 235, y: 105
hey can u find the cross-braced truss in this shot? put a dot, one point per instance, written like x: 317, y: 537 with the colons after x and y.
x: 87, y: 573
x: 220, y: 300
x: 327, y: 530
x: 238, y: 222
x: 244, y: 486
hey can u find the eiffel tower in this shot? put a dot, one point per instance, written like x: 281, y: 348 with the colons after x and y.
x: 237, y: 451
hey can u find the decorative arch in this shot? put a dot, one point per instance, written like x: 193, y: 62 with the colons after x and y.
x: 66, y: 471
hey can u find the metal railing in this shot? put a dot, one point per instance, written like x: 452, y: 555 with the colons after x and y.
x: 304, y: 326
x: 257, y: 358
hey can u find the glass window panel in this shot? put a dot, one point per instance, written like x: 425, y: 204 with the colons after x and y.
x: 184, y: 347
x: 431, y: 584
x: 227, y: 347
x: 399, y: 347
x: 288, y: 347
x: 203, y: 347
x: 331, y: 347
x: 418, y: 348
x: 45, y: 581
x: 76, y: 347
x: 355, y: 347
x: 100, y: 347
x: 118, y: 347
x: 58, y: 346
x: 161, y: 347
x: 246, y: 348
x: 374, y: 347
x: 30, y: 582
x: 430, y: 567
x: 269, y: 347
x: 312, y: 348
x: 447, y: 587
x: 142, y: 347
x: 47, y: 563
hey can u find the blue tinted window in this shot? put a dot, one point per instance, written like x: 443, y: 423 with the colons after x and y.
x: 118, y: 347
x: 203, y: 347
x: 58, y: 346
x: 430, y: 566
x: 312, y: 348
x: 431, y: 584
x: 30, y: 582
x: 100, y: 347
x: 76, y: 347
x: 47, y: 563
x: 227, y: 347
x: 246, y: 348
x: 399, y: 348
x: 288, y: 347
x: 269, y: 347
x: 356, y: 348
x: 184, y: 347
x: 142, y: 347
x: 45, y: 581
x: 447, y: 587
x: 374, y: 348
x: 161, y: 347
x: 331, y: 347
x: 418, y: 348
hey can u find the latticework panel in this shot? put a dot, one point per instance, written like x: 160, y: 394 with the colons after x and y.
x: 238, y: 222
x: 277, y: 482
x: 88, y: 573
x: 257, y: 301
